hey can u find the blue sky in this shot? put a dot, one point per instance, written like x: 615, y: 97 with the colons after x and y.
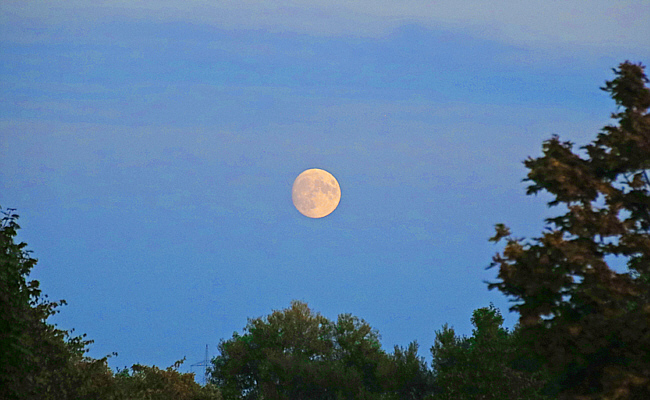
x: 150, y: 148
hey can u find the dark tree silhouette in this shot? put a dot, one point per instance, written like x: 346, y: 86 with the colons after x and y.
x: 37, y: 360
x: 298, y: 354
x: 490, y: 364
x: 587, y: 321
x: 41, y: 362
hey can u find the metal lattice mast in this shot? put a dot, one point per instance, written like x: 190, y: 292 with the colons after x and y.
x: 203, y: 364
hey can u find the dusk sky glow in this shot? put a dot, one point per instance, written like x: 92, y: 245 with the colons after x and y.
x: 150, y: 150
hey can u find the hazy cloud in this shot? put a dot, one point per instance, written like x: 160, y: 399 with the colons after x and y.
x: 536, y: 23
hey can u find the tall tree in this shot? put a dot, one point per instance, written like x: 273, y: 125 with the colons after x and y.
x: 37, y: 360
x: 590, y: 322
x: 16, y: 297
x: 40, y: 361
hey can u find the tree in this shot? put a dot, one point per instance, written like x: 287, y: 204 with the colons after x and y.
x: 587, y: 322
x: 142, y: 382
x: 298, y: 354
x: 282, y: 354
x: 405, y: 376
x: 490, y: 364
x: 37, y: 360
x: 40, y: 361
x: 16, y: 295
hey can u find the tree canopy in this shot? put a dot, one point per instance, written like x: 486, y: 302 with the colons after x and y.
x: 588, y: 321
x: 298, y: 354
x: 40, y: 361
x: 490, y: 364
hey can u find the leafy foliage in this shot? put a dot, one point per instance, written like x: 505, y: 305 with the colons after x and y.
x: 405, y: 375
x: 40, y: 361
x: 142, y: 382
x: 588, y: 322
x: 491, y: 364
x: 298, y: 354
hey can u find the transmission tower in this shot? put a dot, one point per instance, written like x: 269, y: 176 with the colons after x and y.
x: 203, y: 364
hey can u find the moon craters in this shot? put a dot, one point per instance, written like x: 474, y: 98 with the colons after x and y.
x: 316, y: 193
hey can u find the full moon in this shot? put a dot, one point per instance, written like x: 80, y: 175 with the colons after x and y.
x: 316, y: 193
